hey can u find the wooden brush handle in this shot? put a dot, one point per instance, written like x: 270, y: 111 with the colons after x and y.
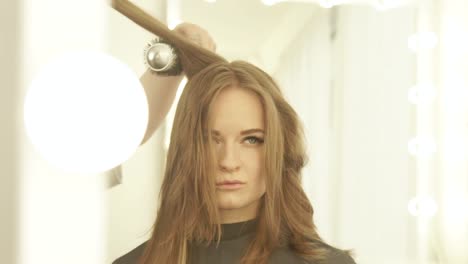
x: 137, y: 15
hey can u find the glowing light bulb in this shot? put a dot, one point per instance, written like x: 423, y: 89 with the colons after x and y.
x: 327, y: 3
x: 270, y: 2
x: 422, y: 94
x: 422, y: 41
x: 86, y: 112
x: 422, y: 206
x: 422, y: 147
x: 383, y: 5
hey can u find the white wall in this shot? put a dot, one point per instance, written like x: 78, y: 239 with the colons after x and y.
x: 352, y: 96
x: 451, y: 229
x: 374, y: 72
x: 304, y: 74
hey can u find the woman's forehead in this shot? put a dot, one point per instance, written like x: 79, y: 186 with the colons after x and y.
x: 237, y: 106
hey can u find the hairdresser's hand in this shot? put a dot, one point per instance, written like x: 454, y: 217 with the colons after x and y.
x: 197, y: 35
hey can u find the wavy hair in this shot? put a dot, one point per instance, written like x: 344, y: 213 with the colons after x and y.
x: 187, y: 210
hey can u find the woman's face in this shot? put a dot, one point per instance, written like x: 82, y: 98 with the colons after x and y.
x: 239, y: 153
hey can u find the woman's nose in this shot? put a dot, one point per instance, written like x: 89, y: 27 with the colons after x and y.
x: 229, y: 160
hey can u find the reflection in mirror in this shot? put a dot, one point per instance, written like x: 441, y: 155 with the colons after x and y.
x: 381, y: 91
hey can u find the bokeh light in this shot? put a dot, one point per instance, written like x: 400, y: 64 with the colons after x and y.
x: 86, y: 112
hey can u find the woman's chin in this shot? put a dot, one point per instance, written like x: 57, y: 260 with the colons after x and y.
x: 228, y: 205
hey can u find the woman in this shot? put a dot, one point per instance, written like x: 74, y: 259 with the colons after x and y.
x: 232, y: 190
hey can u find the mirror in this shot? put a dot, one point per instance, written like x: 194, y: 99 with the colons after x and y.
x: 380, y: 86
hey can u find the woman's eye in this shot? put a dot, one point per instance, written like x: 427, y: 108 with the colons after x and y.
x: 254, y: 140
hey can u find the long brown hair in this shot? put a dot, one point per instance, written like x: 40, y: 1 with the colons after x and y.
x: 187, y: 211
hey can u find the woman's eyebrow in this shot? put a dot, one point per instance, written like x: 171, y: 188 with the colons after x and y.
x: 245, y: 132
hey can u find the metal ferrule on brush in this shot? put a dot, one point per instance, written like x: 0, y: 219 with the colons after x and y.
x: 161, y: 58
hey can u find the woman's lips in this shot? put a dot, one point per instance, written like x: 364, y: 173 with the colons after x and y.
x: 229, y: 185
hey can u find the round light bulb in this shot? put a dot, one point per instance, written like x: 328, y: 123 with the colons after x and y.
x: 384, y: 5
x: 422, y: 41
x: 423, y: 206
x: 270, y: 2
x: 86, y: 112
x: 422, y: 147
x: 422, y: 94
x: 327, y: 3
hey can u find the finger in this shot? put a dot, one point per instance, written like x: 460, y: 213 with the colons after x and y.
x: 196, y: 35
x: 197, y: 39
x: 184, y: 29
x: 208, y: 41
x: 188, y: 35
x: 181, y: 30
x: 211, y: 44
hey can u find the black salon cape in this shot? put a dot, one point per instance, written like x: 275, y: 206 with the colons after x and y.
x: 235, y: 238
